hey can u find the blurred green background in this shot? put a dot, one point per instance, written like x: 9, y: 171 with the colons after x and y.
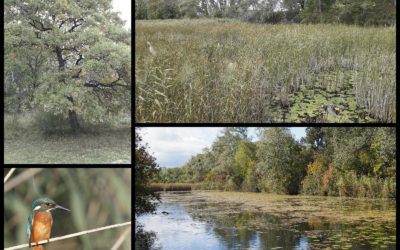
x: 97, y: 197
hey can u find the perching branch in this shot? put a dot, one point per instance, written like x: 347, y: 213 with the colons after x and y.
x: 9, y: 174
x: 70, y: 235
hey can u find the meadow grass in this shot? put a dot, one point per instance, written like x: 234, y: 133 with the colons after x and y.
x: 24, y: 144
x: 229, y: 71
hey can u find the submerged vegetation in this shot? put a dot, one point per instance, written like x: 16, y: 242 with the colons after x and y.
x: 228, y: 71
x: 346, y: 162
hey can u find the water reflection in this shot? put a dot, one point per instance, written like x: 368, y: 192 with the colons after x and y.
x: 185, y: 221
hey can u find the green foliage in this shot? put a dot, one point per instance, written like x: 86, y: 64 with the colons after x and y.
x: 346, y: 184
x: 245, y: 158
x: 280, y: 161
x: 48, y: 123
x: 145, y: 170
x: 312, y: 183
x: 14, y: 127
x: 245, y: 155
x: 361, y: 12
x: 169, y: 175
x: 328, y: 161
x: 67, y: 56
x: 389, y: 188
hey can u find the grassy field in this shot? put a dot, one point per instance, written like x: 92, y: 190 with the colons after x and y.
x: 24, y: 144
x: 228, y: 71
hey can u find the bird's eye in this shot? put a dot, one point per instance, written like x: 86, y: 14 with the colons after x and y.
x: 48, y: 204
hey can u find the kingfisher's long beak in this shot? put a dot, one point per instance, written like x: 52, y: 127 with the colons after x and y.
x: 63, y: 208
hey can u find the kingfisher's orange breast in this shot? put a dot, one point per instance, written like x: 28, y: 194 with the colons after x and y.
x: 41, y: 227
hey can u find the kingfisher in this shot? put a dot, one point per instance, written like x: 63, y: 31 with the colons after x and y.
x: 40, y: 221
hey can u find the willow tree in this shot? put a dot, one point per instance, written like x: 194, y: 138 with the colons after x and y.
x: 79, y: 52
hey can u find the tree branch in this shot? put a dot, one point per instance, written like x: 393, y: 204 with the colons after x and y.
x: 95, y: 84
x: 9, y: 174
x: 61, y: 24
x: 76, y: 24
x: 70, y: 236
x: 79, y: 59
x: 41, y: 28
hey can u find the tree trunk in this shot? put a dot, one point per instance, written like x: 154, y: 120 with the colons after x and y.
x: 319, y: 9
x: 61, y: 60
x: 73, y: 120
x: 302, y: 2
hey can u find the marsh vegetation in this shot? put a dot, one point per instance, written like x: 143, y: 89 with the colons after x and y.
x: 229, y: 71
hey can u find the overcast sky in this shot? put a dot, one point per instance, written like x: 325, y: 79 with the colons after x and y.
x: 174, y: 146
x: 124, y: 7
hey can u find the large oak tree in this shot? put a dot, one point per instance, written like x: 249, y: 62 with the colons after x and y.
x: 76, y: 54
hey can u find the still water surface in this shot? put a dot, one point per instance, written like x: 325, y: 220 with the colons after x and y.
x: 188, y: 221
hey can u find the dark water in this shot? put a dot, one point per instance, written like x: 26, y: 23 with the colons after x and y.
x: 187, y: 221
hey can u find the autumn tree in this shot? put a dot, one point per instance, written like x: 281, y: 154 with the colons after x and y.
x: 75, y: 53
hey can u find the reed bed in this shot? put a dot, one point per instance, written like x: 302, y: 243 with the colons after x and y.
x: 213, y: 71
x: 170, y: 186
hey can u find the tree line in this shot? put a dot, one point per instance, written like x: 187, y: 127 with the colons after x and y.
x: 354, y: 162
x: 361, y: 12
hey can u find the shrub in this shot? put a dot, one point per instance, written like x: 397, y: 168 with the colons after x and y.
x: 18, y: 124
x: 312, y: 183
x: 346, y: 184
x: 329, y: 181
x: 389, y: 188
x: 231, y: 185
x: 48, y: 123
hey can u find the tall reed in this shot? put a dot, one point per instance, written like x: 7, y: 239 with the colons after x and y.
x: 206, y: 71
